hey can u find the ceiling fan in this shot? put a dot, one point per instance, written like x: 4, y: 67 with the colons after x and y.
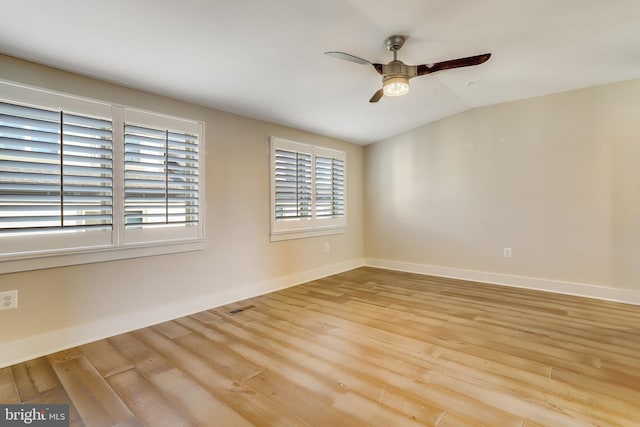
x: 396, y: 74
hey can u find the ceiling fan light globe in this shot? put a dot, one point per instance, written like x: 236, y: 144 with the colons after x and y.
x: 396, y: 86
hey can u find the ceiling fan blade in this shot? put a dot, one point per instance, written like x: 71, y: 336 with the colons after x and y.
x: 348, y: 57
x: 356, y: 59
x: 376, y: 96
x: 453, y: 63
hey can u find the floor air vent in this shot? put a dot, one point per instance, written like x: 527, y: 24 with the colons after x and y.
x: 240, y: 310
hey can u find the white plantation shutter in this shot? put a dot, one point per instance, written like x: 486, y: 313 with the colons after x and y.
x: 144, y: 176
x: 329, y: 179
x: 162, y: 189
x: 161, y: 177
x: 87, y: 172
x: 307, y: 190
x: 183, y: 178
x: 55, y: 171
x: 293, y: 189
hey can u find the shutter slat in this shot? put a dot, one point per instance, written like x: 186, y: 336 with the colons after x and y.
x: 9, y: 143
x: 34, y: 167
x: 34, y: 129
x: 29, y: 188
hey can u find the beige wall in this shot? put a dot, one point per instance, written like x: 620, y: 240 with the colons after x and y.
x: 238, y: 259
x: 555, y: 178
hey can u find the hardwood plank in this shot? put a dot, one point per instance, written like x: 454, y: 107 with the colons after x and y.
x: 96, y: 402
x: 145, y: 360
x: 171, y: 329
x: 34, y: 377
x: 195, y: 401
x: 145, y: 401
x: 105, y: 358
x: 206, y: 317
x: 56, y: 395
x: 8, y: 389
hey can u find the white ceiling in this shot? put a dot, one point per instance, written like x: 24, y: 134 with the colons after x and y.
x: 264, y: 59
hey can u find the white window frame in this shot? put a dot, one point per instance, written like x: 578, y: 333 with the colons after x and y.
x: 296, y: 228
x: 18, y: 252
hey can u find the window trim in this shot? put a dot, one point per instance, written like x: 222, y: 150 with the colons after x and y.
x: 297, y: 228
x: 114, y: 247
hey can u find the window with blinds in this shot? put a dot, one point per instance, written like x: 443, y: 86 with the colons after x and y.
x: 86, y: 181
x: 161, y: 177
x: 307, y: 190
x: 56, y: 171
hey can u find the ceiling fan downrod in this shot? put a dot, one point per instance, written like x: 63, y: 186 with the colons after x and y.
x: 394, y: 43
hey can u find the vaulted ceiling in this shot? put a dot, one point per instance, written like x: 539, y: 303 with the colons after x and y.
x: 264, y: 59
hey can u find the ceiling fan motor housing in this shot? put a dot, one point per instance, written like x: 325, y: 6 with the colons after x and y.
x: 396, y: 69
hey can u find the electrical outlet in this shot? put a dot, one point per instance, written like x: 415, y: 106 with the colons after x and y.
x: 8, y: 300
x: 506, y: 252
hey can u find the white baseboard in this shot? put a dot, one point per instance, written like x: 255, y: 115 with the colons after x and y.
x: 569, y: 288
x: 50, y: 342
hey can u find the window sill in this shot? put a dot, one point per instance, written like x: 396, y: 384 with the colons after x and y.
x: 92, y: 255
x: 278, y: 237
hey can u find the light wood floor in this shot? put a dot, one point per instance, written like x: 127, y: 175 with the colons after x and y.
x: 365, y: 347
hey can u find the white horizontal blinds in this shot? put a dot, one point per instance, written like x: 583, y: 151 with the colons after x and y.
x: 293, y: 184
x: 329, y: 180
x: 30, y: 191
x: 55, y: 171
x: 182, y: 178
x: 87, y: 178
x: 145, y: 191
x: 161, y: 177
